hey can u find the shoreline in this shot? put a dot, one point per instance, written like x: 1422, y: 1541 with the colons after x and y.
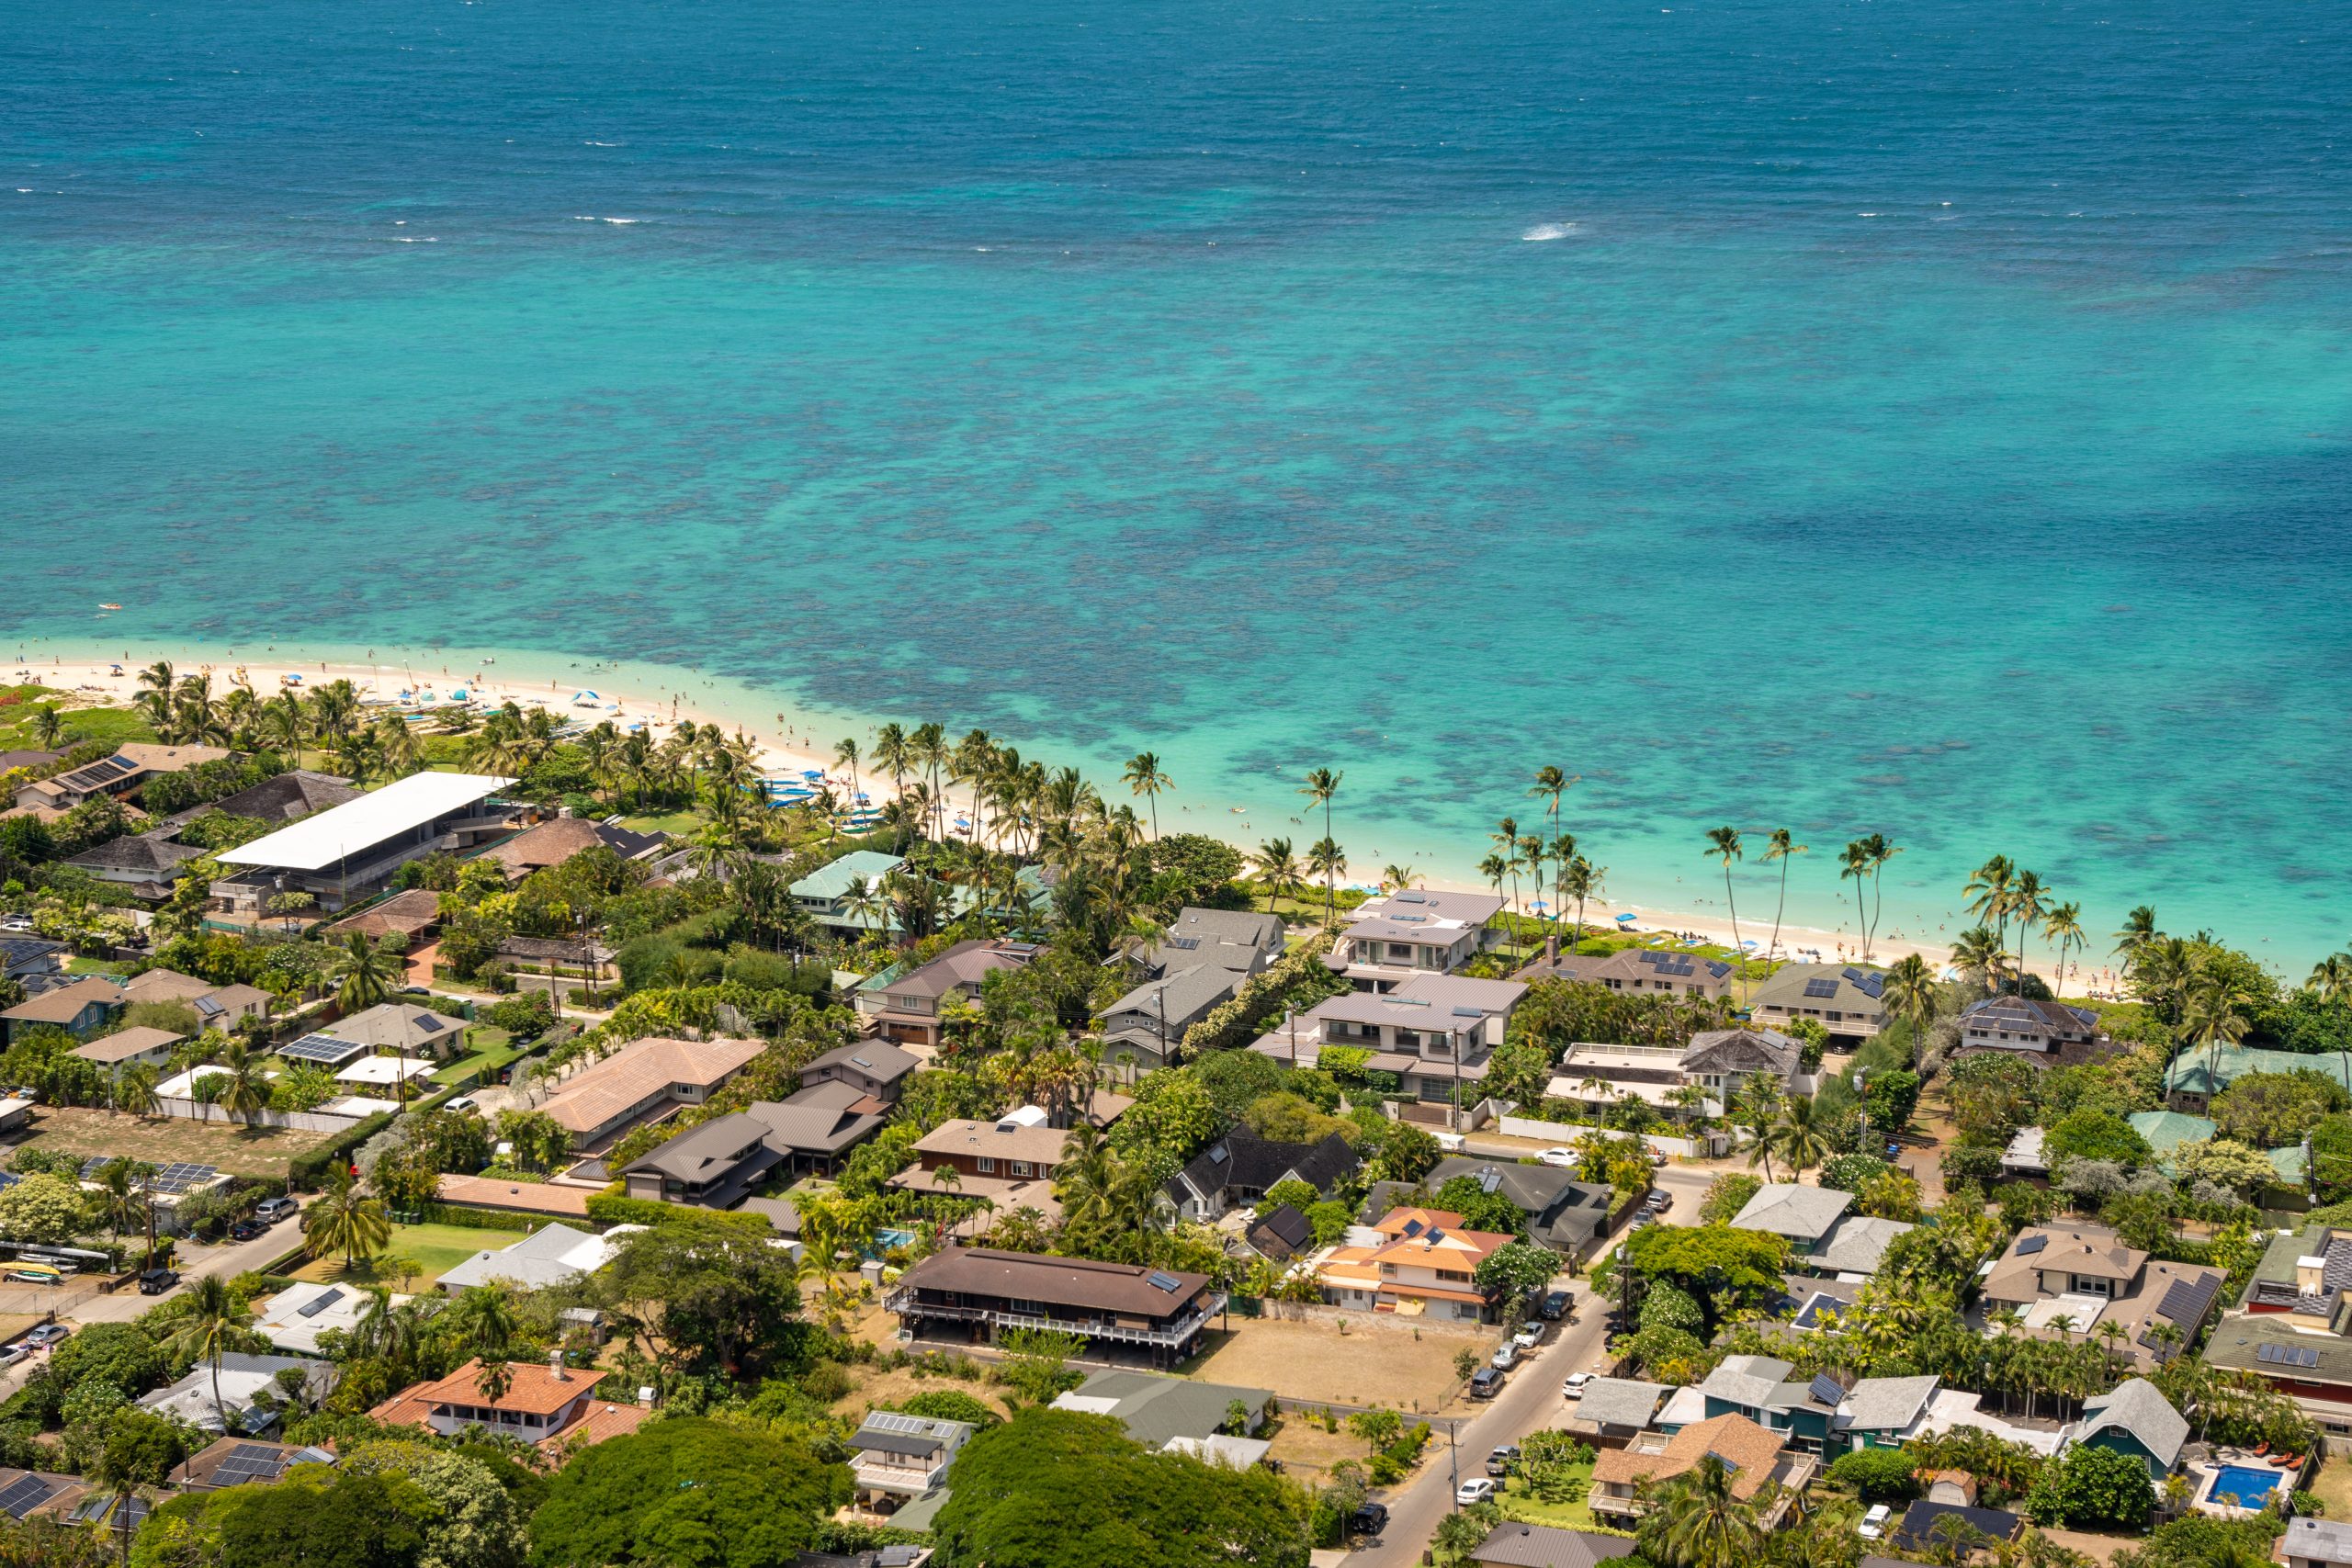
x: 789, y: 740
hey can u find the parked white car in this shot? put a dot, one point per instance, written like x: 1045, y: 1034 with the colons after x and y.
x: 1506, y: 1357
x: 1477, y: 1489
x: 1874, y: 1522
x: 1572, y: 1387
x: 1559, y: 1159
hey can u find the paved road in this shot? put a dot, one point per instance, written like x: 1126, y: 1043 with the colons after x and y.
x: 1530, y: 1402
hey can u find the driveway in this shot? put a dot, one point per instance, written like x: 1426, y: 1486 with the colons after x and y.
x: 1530, y: 1402
x: 195, y: 1263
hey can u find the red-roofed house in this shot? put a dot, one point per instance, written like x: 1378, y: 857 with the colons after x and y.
x: 1425, y: 1264
x: 552, y: 1407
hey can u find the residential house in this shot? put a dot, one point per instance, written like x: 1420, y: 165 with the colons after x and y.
x: 1754, y: 1455
x: 1821, y: 1415
x: 895, y: 1456
x: 1823, y: 1238
x: 981, y: 1291
x: 1435, y: 1032
x: 144, y: 864
x: 412, y: 913
x: 824, y: 893
x: 1158, y: 1411
x: 128, y: 1048
x: 240, y: 1461
x: 1018, y: 1145
x: 2198, y: 1075
x: 1710, y: 1071
x: 57, y: 1499
x: 905, y: 1004
x: 122, y: 774
x: 1416, y: 1262
x: 1916, y: 1529
x: 1845, y: 1000
x: 293, y: 1319
x: 550, y: 1407
x: 2316, y: 1543
x: 406, y: 1029
x: 2086, y: 1275
x: 1411, y: 934
x: 251, y: 1392
x: 711, y: 1166
x: 349, y: 852
x: 1515, y: 1545
x: 552, y: 1255
x: 556, y: 840
x: 2036, y: 1027
x: 539, y: 1199
x: 35, y: 961
x: 1613, y: 1412
x: 559, y: 957
x: 645, y: 1076
x: 1280, y: 1233
x: 31, y: 761
x: 1644, y: 971
x: 1241, y: 1168
x: 2134, y: 1418
x: 1564, y: 1212
x: 1197, y: 965
x: 82, y: 1007
x: 285, y: 797
x: 874, y: 1067
x: 817, y: 1126
x: 2313, y: 1368
x: 216, y: 1007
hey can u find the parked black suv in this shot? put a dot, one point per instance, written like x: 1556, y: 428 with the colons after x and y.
x: 1555, y: 1306
x: 1370, y: 1518
x: 155, y: 1281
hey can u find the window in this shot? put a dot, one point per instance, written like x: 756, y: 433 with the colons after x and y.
x: 988, y: 1165
x: 2086, y: 1285
x: 1021, y: 1167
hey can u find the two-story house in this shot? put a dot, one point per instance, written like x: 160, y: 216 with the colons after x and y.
x: 131, y: 766
x: 1197, y: 964
x: 2035, y: 1028
x: 1561, y: 1211
x: 84, y: 1007
x: 904, y: 1004
x: 1716, y: 1064
x: 1240, y: 1169
x: 1017, y: 1144
x: 824, y: 893
x: 1762, y: 1472
x: 1641, y: 971
x: 1845, y: 1000
x: 1826, y: 1414
x: 874, y: 1067
x: 550, y: 1407
x: 2074, y: 1279
x: 216, y: 1007
x: 1414, y: 1260
x: 980, y: 1293
x: 2134, y: 1418
x: 1412, y: 933
x: 711, y: 1166
x: 1824, y: 1239
x: 128, y: 1048
x: 895, y: 1456
x: 1435, y: 1032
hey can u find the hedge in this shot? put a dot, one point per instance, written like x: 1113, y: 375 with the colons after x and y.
x: 308, y: 1172
x: 1231, y: 1023
x: 608, y: 1209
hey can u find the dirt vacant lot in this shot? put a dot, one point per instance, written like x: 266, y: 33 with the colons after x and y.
x: 259, y: 1151
x: 1313, y: 1360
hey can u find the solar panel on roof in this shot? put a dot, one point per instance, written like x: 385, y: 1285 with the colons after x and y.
x: 1168, y: 1283
x: 1489, y: 1179
x: 430, y: 1023
x: 891, y: 1421
x: 1407, y: 899
x: 1435, y: 1235
x: 1824, y: 1390
x: 101, y: 1507
x: 23, y: 1497
x: 1412, y: 1227
x: 1468, y: 1012
x: 320, y: 1048
x: 319, y: 1304
x: 2267, y: 1352
x: 1821, y: 987
x: 262, y: 1452
x: 1718, y: 968
x: 2031, y: 1245
x: 2185, y: 1300
x: 2307, y: 1355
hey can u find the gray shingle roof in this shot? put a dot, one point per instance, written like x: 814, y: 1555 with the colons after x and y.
x: 1620, y: 1401
x: 1805, y: 1214
x: 1516, y: 1545
x: 1750, y: 1381
x: 2133, y: 1406
x: 1883, y: 1405
x: 1856, y: 1244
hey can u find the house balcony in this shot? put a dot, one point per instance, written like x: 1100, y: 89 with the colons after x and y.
x: 905, y: 1480
x: 1178, y: 1333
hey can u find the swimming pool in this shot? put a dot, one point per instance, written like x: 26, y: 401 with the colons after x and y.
x: 890, y: 1237
x: 2252, y: 1487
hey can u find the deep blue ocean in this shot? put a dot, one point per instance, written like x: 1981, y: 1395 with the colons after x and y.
x: 1931, y: 418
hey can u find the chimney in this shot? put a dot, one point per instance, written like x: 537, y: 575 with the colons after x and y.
x: 555, y: 1367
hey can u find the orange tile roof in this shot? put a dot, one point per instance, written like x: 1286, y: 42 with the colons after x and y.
x: 517, y: 1197
x: 1751, y: 1450
x: 641, y: 1069
x: 535, y: 1391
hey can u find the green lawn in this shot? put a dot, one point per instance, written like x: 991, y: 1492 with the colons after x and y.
x: 492, y: 1049
x: 685, y: 822
x: 435, y: 1250
x: 1519, y: 1505
x: 114, y: 725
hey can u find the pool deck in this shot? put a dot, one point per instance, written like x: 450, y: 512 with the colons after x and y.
x: 2207, y: 1477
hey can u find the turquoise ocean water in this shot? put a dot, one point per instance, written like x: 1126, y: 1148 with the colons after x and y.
x: 1927, y: 418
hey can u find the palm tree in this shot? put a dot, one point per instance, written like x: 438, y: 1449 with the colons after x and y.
x: 862, y: 902
x: 1328, y: 859
x: 1320, y: 786
x: 1910, y: 992
x: 1699, y: 1522
x: 1395, y: 877
x: 244, y: 1093
x: 342, y: 1221
x: 1987, y: 894
x: 1505, y: 842
x: 2139, y: 933
x: 482, y: 1319
x: 365, y: 976
x: 1579, y: 880
x: 1854, y: 866
x: 2064, y: 925
x: 1145, y: 776
x: 48, y: 728
x: 1276, y: 867
x: 134, y: 1091
x: 2216, y: 1014
x: 1782, y: 846
x: 1798, y: 1137
x: 845, y: 756
x: 1723, y: 845
x: 1951, y: 1538
x: 1979, y: 952
x: 1551, y: 782
x: 1881, y: 849
x: 2025, y: 908
x: 212, y: 1325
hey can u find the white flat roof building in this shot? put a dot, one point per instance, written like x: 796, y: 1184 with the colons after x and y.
x: 348, y: 831
x: 384, y: 1070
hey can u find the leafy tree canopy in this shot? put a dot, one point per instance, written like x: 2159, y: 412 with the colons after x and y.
x: 687, y: 1493
x: 2097, y: 1134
